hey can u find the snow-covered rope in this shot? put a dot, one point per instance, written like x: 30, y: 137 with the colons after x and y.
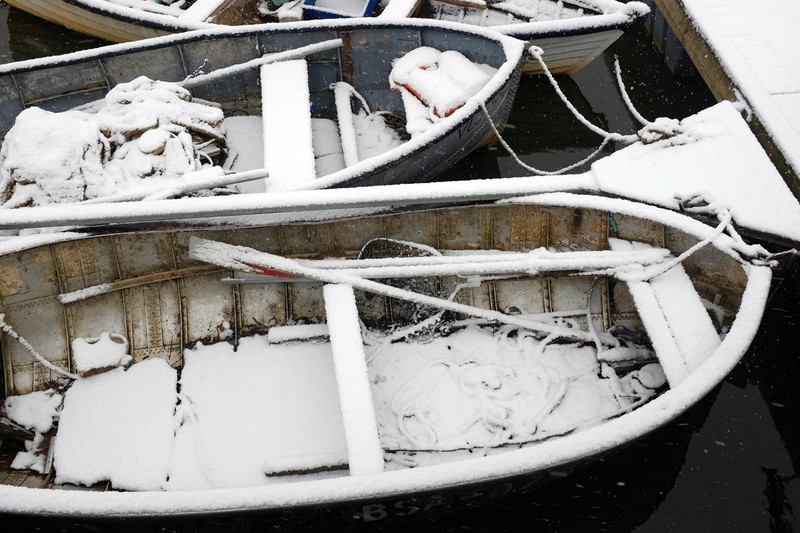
x: 699, y: 204
x: 529, y: 168
x: 538, y: 436
x: 5, y: 327
x: 651, y: 132
x: 703, y: 204
x: 625, y: 98
x: 537, y: 54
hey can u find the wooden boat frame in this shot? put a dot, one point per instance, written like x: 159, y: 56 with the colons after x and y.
x: 82, y: 78
x: 576, y: 221
x: 569, y: 44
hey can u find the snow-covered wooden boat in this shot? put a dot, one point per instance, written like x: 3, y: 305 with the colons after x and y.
x: 411, y: 358
x: 342, y: 104
x: 130, y: 20
x: 570, y: 33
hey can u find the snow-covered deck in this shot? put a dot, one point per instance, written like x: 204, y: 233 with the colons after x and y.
x: 756, y: 45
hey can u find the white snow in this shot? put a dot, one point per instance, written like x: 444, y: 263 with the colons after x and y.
x: 31, y: 458
x: 676, y: 319
x: 34, y: 411
x: 143, y: 131
x: 200, y: 10
x: 365, y: 454
x: 295, y: 332
x: 758, y: 50
x: 398, y: 9
x: 443, y: 81
x: 717, y: 155
x: 262, y: 409
x: 480, y: 388
x: 104, y: 351
x: 342, y: 93
x: 244, y: 136
x: 347, y: 8
x: 118, y: 426
x: 286, y: 111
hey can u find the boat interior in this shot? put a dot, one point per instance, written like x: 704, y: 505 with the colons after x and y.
x: 163, y: 297
x: 339, y: 84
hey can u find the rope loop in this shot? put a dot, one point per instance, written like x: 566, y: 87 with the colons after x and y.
x: 652, y: 131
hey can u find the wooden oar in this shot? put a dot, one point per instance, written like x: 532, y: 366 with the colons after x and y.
x: 294, y: 53
x: 250, y: 260
x: 209, y: 181
x: 490, y: 263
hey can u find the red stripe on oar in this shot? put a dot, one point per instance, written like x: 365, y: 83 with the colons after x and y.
x: 269, y: 271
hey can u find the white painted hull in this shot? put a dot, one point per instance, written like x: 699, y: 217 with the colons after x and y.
x: 570, y: 53
x: 567, y: 47
x: 101, y: 25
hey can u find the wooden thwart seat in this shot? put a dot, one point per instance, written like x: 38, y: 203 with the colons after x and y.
x: 364, y: 451
x: 286, y: 111
x: 343, y: 92
x: 675, y: 318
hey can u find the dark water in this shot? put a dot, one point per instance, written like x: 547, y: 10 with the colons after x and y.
x: 731, y: 463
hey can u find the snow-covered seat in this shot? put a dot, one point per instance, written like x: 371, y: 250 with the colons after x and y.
x: 286, y: 115
x: 343, y: 92
x: 675, y: 318
x: 364, y: 451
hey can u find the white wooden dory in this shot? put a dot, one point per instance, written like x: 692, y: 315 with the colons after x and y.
x: 147, y: 285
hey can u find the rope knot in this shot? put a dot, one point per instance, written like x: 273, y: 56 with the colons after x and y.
x: 660, y: 129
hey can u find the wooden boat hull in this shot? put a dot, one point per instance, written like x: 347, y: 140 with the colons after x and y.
x: 569, y: 44
x: 100, y: 24
x: 145, y: 284
x: 569, y: 54
x: 119, y: 23
x: 72, y: 80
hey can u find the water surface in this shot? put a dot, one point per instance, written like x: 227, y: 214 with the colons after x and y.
x: 730, y: 464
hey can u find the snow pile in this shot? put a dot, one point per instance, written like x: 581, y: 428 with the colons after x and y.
x: 144, y: 130
x: 104, y: 351
x: 442, y: 81
x: 118, y: 426
x: 34, y: 411
x: 261, y: 409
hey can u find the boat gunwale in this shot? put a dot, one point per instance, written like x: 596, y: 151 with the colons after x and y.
x: 611, y: 16
x: 125, y: 14
x: 614, y: 17
x: 545, y: 455
x: 494, y: 96
x: 507, y: 42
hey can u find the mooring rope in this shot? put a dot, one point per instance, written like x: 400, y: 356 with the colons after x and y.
x: 529, y: 168
x: 13, y: 334
x: 625, y: 98
x: 651, y: 132
x: 537, y: 54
